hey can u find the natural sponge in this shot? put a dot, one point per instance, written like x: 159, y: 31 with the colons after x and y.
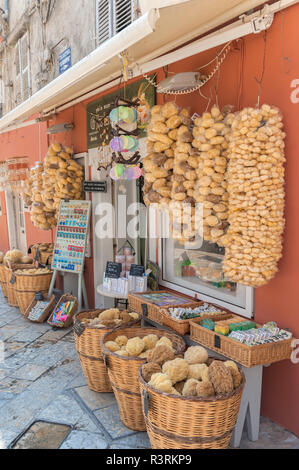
x: 161, y: 382
x: 205, y: 390
x: 235, y: 373
x: 112, y: 346
x: 111, y: 314
x: 221, y: 378
x: 121, y: 340
x: 164, y: 340
x: 197, y: 371
x: 190, y: 388
x: 150, y: 369
x: 177, y: 370
x: 135, y: 346
x: 196, y: 355
x: 150, y: 341
x: 161, y: 354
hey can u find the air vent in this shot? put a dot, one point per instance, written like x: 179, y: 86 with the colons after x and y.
x: 113, y: 16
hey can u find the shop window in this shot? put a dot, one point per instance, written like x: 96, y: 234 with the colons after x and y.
x: 22, y: 69
x: 198, y: 272
x: 113, y: 16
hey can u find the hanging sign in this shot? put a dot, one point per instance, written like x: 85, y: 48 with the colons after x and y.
x: 95, y: 186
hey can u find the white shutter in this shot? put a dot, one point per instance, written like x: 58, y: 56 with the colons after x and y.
x: 24, y: 49
x: 123, y: 13
x: 104, y: 15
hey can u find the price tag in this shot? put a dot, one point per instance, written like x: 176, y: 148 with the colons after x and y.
x: 39, y: 296
x: 144, y: 310
x: 37, y: 256
x: 113, y: 270
x: 13, y: 279
x: 137, y: 270
x: 79, y: 328
x: 217, y: 342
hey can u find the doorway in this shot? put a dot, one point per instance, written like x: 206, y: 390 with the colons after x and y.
x: 16, y: 221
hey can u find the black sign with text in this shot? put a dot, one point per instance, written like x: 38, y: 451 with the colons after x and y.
x: 113, y: 270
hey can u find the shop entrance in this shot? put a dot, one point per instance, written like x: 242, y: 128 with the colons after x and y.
x: 16, y: 221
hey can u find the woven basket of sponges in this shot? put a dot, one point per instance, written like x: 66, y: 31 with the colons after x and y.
x: 87, y: 340
x: 134, y: 346
x: 194, y: 413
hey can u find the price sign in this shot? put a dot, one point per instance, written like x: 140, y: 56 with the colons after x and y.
x: 113, y: 270
x: 137, y: 270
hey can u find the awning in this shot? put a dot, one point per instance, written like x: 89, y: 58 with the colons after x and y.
x: 155, y: 33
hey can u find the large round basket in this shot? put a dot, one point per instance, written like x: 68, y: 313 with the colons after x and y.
x: 123, y: 374
x: 11, y: 281
x: 28, y: 285
x: 90, y: 353
x: 3, y: 280
x: 177, y: 422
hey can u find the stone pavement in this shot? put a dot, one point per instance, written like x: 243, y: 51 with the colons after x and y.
x: 41, y: 379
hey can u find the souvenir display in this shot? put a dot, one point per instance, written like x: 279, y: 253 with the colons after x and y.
x: 110, y: 318
x: 41, y: 216
x: 181, y: 313
x: 71, y: 237
x: 253, y: 245
x: 38, y: 310
x: 62, y: 314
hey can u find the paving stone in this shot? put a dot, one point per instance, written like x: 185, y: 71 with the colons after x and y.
x: 139, y: 440
x: 79, y: 380
x: 272, y: 436
x: 7, y: 437
x: 94, y: 400
x: 110, y: 419
x: 43, y: 435
x: 64, y: 409
x: 53, y: 335
x: 12, y: 348
x: 29, y: 372
x: 12, y: 385
x: 84, y: 440
x: 10, y: 330
x: 27, y: 336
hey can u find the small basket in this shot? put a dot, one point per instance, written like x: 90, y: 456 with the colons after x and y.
x: 47, y: 311
x: 248, y: 356
x: 123, y: 373
x: 177, y: 422
x: 33, y: 282
x: 152, y: 311
x: 65, y: 298
x: 182, y: 327
x: 87, y: 340
x: 24, y: 299
x: 11, y: 281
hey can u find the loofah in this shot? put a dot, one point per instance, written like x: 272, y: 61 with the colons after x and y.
x: 150, y: 341
x: 112, y: 346
x: 134, y: 315
x: 164, y: 340
x: 161, y: 382
x: 205, y: 390
x: 196, y: 371
x: 196, y: 355
x: 177, y: 370
x: 221, y: 378
x: 121, y: 340
x: 161, y: 354
x: 150, y: 369
x: 111, y: 314
x: 189, y: 389
x: 135, y: 346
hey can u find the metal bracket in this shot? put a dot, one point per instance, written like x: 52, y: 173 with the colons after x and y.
x: 262, y: 23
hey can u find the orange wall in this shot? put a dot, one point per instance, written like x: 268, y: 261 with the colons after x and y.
x: 237, y: 86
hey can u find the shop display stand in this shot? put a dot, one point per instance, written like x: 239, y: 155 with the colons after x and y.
x: 71, y: 243
x: 119, y: 299
x: 251, y: 399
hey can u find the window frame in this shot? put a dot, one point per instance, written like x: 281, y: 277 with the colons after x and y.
x: 112, y: 18
x: 22, y: 71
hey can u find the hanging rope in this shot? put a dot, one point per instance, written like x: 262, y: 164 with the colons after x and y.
x: 259, y: 81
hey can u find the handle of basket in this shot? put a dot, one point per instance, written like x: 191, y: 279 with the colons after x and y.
x: 145, y: 398
x: 106, y: 360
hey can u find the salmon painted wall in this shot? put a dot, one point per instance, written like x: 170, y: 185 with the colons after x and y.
x: 236, y: 84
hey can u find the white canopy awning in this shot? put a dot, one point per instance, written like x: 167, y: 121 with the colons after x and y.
x: 155, y: 33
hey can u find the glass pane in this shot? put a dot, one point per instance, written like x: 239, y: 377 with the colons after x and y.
x: 200, y: 270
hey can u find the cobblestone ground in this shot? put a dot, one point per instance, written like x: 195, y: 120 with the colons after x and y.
x: 41, y: 378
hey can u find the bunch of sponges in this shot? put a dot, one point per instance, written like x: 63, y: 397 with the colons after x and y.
x: 191, y: 376
x: 149, y: 347
x: 110, y: 319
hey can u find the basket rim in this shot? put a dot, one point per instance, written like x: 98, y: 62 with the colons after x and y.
x: 109, y: 329
x: 195, y: 399
x: 107, y: 352
x: 36, y: 274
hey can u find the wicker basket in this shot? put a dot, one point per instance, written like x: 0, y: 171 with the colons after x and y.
x: 24, y: 299
x: 46, y: 313
x: 248, y: 356
x: 11, y: 282
x: 28, y: 285
x: 153, y: 312
x: 175, y: 422
x: 3, y: 280
x: 90, y: 352
x: 65, y: 298
x: 182, y: 327
x: 123, y: 374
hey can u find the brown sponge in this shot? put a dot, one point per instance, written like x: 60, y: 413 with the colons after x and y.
x: 221, y: 378
x: 149, y: 369
x: 205, y: 390
x: 161, y: 354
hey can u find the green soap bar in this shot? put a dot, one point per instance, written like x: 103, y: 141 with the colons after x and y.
x: 242, y: 326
